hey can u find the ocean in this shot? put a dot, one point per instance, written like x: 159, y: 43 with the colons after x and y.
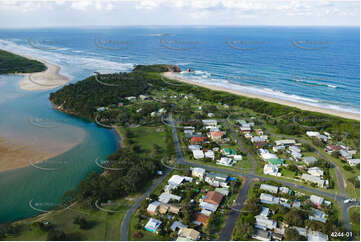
x: 318, y: 66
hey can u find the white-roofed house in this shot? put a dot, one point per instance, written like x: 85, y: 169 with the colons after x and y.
x: 165, y: 197
x: 225, y: 161
x: 153, y: 225
x: 316, y: 200
x: 198, y: 154
x: 198, y: 172
x: 194, y: 147
x: 264, y: 223
x: 269, y: 188
x: 269, y: 199
x: 285, y: 142
x: 176, y: 225
x: 353, y: 162
x: 309, y: 160
x: 209, y: 154
x: 313, y: 179
x: 318, y: 215
x: 315, y: 171
x: 270, y: 169
x: 312, y: 134
x: 152, y: 207
x: 317, y: 236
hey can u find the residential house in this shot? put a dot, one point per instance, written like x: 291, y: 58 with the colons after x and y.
x: 278, y: 147
x: 296, y: 204
x: 269, y: 199
x: 225, y: 161
x: 332, y: 148
x: 201, y: 219
x: 294, y: 149
x: 229, y: 152
x: 245, y: 129
x: 309, y: 160
x: 216, y: 179
x: 315, y: 171
x: 317, y: 236
x: 209, y: 154
x: 275, y: 161
x: 259, y: 131
x: 188, y: 133
x: 285, y: 190
x: 285, y: 142
x: 222, y: 190
x: 262, y: 138
x: 312, y: 134
x: 176, y: 225
x: 198, y: 172
x: 209, y: 122
x: 165, y: 197
x: 262, y: 235
x: 301, y: 231
x: 194, y: 147
x: 353, y: 162
x: 267, y: 156
x: 313, y: 179
x: 197, y: 140
x: 188, y: 234
x: 152, y: 207
x: 296, y: 155
x: 198, y: 154
x: 216, y: 135
x: 345, y: 155
x: 318, y: 215
x: 177, y: 179
x: 259, y: 144
x: 318, y: 201
x: 264, y: 223
x: 211, y: 201
x: 272, y: 170
x: 269, y: 188
x: 153, y: 225
x: 277, y: 236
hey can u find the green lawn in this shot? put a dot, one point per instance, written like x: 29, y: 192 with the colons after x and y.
x: 355, y: 223
x: 106, y: 226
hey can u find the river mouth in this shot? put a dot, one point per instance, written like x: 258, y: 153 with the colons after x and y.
x: 44, y: 152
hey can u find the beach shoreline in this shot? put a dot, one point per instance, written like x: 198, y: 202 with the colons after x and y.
x: 45, y: 80
x: 354, y: 116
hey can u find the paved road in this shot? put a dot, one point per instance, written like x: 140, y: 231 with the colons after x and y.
x: 124, y: 227
x: 226, y: 233
x: 339, y: 198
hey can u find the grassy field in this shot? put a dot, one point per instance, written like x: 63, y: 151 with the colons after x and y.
x: 355, y: 223
x: 105, y: 225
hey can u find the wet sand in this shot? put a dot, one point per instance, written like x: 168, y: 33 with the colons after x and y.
x: 171, y: 75
x: 46, y: 80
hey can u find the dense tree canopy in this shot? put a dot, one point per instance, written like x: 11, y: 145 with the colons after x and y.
x: 11, y: 63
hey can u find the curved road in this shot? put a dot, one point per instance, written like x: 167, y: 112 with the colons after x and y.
x: 226, y: 233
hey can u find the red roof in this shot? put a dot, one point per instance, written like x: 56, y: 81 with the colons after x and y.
x: 213, y: 197
x: 217, y: 133
x: 198, y: 139
x: 201, y: 218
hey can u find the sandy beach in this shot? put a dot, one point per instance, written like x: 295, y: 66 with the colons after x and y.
x: 46, y: 80
x: 171, y: 75
x: 17, y: 152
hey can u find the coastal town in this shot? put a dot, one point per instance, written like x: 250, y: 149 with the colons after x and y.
x: 196, y: 169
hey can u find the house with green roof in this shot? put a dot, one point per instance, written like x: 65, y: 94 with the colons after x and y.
x: 276, y: 161
x: 229, y: 151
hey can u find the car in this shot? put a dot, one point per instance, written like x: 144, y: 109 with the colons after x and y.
x: 347, y: 201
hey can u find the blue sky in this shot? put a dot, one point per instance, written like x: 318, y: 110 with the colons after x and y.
x: 59, y: 13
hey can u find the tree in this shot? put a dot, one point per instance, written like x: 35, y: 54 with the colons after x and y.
x: 293, y: 235
x: 56, y: 235
x: 243, y: 231
x: 295, y: 217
